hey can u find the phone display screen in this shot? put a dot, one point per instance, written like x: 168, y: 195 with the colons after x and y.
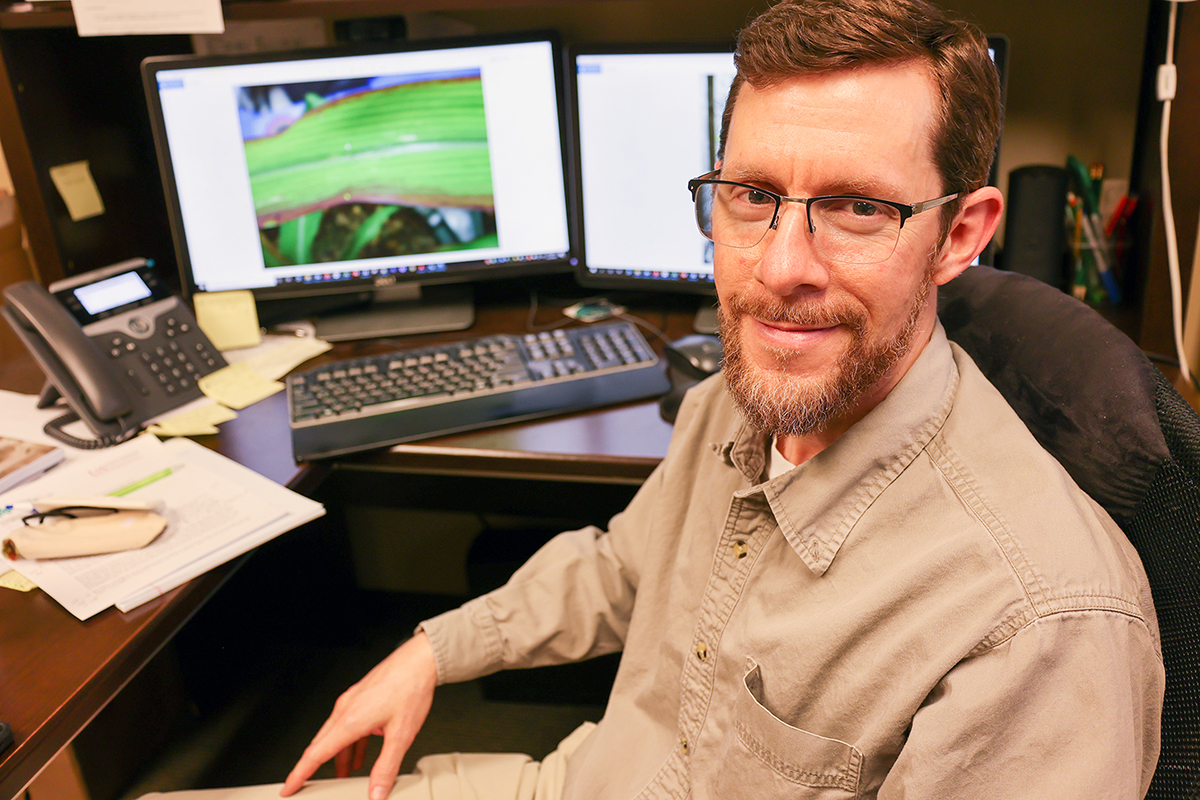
x: 110, y: 291
x: 115, y: 292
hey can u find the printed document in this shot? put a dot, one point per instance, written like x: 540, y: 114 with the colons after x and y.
x: 216, y: 510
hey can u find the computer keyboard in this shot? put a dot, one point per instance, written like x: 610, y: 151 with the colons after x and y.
x: 381, y: 400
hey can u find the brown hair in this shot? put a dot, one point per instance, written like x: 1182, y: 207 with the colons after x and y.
x: 798, y: 37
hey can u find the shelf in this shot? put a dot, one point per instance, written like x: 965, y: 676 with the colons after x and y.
x: 57, y: 13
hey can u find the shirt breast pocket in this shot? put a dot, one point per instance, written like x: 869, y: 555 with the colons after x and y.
x: 767, y: 758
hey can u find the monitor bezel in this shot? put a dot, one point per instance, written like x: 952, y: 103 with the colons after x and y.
x: 998, y: 44
x: 359, y: 287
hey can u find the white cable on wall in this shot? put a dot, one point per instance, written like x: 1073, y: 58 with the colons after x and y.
x: 1166, y: 86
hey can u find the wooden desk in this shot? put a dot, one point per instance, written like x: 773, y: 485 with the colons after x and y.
x: 57, y: 673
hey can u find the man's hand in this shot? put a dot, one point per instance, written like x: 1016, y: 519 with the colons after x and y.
x: 392, y: 701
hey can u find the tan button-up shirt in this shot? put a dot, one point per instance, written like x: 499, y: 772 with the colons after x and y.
x: 930, y: 608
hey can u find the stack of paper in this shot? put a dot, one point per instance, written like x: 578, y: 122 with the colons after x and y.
x: 216, y: 509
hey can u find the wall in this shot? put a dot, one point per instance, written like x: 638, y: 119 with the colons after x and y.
x: 1074, y: 77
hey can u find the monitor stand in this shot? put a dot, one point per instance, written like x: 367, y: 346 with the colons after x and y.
x: 403, y: 309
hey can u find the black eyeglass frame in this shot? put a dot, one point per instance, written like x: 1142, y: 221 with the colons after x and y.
x: 906, y: 210
x: 71, y: 512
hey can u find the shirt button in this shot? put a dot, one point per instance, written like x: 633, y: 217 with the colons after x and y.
x: 702, y: 651
x: 740, y: 548
x: 683, y: 745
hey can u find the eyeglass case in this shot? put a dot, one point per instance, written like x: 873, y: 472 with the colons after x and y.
x: 85, y: 536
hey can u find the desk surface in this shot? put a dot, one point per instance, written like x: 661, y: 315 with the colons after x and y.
x: 57, y: 673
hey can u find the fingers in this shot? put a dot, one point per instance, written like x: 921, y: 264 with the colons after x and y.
x: 392, y: 700
x: 335, y: 740
x: 396, y: 740
x: 387, y: 766
x: 350, y: 759
x: 308, y: 764
x: 360, y: 754
x: 327, y: 744
x: 341, y: 762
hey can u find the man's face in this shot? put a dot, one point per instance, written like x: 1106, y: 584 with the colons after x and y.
x: 810, y: 344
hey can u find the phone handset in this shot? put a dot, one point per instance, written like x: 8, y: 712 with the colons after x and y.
x: 73, y: 363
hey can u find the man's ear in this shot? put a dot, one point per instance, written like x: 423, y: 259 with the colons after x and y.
x: 973, y: 228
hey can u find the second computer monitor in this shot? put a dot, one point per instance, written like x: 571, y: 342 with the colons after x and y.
x: 648, y: 119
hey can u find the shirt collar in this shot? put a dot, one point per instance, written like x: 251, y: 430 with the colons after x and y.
x: 818, y: 503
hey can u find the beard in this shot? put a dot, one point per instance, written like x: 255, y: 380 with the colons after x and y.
x: 779, y: 404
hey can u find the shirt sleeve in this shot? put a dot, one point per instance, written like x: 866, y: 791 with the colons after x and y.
x: 571, y: 600
x: 1069, y: 707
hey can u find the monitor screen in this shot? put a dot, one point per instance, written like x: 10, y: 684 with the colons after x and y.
x: 317, y: 173
x: 648, y: 119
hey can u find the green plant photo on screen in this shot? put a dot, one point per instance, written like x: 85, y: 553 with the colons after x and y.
x: 369, y: 168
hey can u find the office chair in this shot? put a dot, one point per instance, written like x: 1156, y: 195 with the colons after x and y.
x: 1094, y: 401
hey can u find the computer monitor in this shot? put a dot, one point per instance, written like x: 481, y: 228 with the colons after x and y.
x: 328, y: 177
x: 648, y: 118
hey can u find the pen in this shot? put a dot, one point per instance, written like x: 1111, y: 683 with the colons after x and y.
x: 1100, y: 253
x: 146, y: 481
x: 1087, y: 187
x: 45, y: 504
x: 1118, y: 215
x: 24, y: 508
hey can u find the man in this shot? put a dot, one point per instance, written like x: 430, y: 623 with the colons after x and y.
x: 855, y: 574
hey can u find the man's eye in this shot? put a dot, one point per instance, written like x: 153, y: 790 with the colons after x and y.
x: 864, y: 208
x: 757, y: 198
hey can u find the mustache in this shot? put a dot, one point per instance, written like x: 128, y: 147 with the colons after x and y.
x: 802, y: 312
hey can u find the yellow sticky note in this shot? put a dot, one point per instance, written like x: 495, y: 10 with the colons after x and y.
x: 282, y: 359
x: 229, y: 319
x: 238, y: 385
x: 15, y: 580
x: 196, y: 422
x: 78, y: 190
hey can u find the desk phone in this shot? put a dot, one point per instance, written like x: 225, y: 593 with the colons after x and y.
x: 116, y: 345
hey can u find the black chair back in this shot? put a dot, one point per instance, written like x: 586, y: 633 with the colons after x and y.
x: 1126, y: 436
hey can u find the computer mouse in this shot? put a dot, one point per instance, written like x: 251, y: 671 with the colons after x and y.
x: 696, y: 356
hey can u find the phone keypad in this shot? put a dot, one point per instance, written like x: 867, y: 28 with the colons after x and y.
x: 168, y: 363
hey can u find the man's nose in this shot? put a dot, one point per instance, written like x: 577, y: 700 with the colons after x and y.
x: 790, y: 262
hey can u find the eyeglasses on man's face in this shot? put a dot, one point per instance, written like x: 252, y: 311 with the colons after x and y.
x: 846, y: 229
